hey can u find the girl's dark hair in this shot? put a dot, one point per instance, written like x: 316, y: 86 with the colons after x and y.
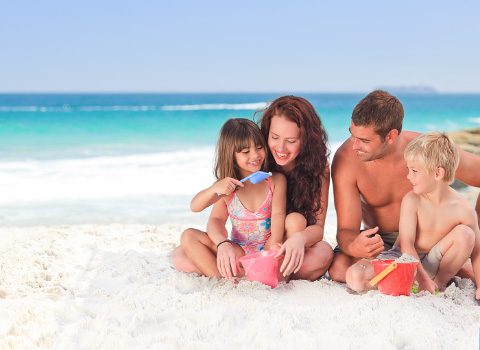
x: 235, y: 135
x: 305, y: 180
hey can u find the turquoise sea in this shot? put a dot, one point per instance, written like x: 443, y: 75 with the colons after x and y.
x: 138, y: 158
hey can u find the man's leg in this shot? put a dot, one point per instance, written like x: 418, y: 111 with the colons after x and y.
x: 341, y: 263
x: 359, y: 274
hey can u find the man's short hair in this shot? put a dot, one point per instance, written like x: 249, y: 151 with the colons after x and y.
x: 435, y: 150
x: 381, y: 110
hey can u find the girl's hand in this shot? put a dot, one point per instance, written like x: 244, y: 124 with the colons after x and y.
x: 226, y: 260
x: 226, y: 186
x: 477, y: 294
x: 294, y: 249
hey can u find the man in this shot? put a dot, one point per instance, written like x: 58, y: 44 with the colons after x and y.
x: 369, y: 176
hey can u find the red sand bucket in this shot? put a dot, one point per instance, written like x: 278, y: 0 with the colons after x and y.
x: 397, y: 282
x: 261, y: 267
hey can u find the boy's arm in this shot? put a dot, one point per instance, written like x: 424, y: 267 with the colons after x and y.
x: 279, y: 208
x: 407, y: 235
x: 212, y: 194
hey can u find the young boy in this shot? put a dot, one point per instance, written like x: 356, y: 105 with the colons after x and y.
x: 437, y: 225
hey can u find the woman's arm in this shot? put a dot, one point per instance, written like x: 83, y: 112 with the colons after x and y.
x: 279, y: 209
x: 314, y: 233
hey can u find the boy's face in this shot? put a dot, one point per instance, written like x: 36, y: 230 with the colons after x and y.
x: 421, y: 180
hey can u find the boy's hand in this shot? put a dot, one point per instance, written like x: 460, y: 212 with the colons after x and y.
x: 226, y: 186
x: 426, y: 283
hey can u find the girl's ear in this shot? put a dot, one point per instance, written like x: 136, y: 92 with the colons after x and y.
x: 439, y: 173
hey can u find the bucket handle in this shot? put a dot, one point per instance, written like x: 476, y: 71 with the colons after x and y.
x: 383, y: 274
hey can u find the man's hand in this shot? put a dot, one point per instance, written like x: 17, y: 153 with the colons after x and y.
x: 368, y: 244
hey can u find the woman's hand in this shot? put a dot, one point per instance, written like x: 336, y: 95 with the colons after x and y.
x: 226, y: 186
x: 294, y: 249
x: 477, y: 294
x: 226, y: 260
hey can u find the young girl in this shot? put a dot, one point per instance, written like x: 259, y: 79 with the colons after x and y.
x: 257, y: 212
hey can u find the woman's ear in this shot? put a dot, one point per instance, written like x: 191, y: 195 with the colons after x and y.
x: 439, y: 173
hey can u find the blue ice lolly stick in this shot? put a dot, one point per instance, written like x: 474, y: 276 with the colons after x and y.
x: 256, y: 177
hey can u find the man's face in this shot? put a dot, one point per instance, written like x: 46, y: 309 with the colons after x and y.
x: 366, y: 143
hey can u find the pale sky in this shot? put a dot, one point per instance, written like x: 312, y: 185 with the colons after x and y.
x: 242, y: 46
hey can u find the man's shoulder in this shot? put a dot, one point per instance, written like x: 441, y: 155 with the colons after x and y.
x: 344, y: 153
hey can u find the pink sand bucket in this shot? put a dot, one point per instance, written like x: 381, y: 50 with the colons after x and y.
x: 394, y: 278
x: 261, y: 267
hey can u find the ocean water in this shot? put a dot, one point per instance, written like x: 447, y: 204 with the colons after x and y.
x: 139, y: 158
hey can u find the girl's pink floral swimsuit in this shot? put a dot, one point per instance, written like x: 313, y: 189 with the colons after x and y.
x: 250, y: 230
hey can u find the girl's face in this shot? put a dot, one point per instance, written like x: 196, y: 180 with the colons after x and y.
x: 250, y: 159
x: 284, y: 142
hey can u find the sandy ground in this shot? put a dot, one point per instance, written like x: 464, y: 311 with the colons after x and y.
x: 112, y: 287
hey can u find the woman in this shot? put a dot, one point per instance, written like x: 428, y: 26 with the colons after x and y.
x: 298, y: 148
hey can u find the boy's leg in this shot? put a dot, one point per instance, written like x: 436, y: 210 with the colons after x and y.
x: 359, y: 274
x: 317, y: 258
x: 455, y: 248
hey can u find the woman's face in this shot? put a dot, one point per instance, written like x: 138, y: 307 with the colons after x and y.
x: 284, y: 141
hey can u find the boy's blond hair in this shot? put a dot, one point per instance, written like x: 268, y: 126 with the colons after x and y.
x: 434, y: 150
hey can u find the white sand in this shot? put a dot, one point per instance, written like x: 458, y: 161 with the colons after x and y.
x: 112, y: 287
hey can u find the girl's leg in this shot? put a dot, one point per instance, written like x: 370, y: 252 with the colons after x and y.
x: 181, y: 262
x: 200, y: 251
x: 317, y: 258
x: 455, y: 247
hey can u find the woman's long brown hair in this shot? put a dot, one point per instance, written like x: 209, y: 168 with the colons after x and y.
x: 305, y: 180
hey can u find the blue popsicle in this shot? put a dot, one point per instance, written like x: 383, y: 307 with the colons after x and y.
x: 256, y: 177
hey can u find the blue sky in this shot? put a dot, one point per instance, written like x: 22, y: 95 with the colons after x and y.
x: 244, y: 46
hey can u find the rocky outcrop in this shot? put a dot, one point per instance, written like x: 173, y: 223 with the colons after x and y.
x: 468, y: 139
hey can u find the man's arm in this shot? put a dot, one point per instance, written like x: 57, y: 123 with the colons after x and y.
x: 467, y: 171
x: 349, y: 211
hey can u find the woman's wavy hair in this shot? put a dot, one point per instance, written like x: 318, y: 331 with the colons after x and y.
x: 235, y: 135
x: 305, y: 180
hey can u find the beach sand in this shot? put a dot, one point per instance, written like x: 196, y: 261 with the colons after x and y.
x: 112, y: 287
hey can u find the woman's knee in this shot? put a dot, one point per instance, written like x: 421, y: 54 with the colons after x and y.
x: 295, y: 222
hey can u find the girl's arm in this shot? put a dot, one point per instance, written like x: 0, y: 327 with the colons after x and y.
x: 226, y: 259
x: 212, y: 194
x: 279, y: 209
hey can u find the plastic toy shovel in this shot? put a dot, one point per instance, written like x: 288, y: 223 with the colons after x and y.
x: 256, y: 177
x: 383, y: 274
